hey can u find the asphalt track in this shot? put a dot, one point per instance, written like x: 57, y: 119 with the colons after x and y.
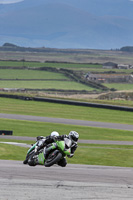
x: 74, y: 182
x: 68, y: 121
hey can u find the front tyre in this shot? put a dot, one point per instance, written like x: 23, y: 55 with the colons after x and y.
x: 52, y: 159
x: 31, y: 160
x: 27, y: 157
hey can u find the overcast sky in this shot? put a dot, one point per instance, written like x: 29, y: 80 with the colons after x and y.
x: 16, y: 1
x: 9, y: 1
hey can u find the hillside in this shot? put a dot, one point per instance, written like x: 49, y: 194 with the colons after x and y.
x: 96, y: 56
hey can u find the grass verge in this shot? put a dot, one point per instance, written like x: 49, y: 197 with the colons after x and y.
x: 14, y: 106
x: 101, y: 156
x: 88, y: 154
x: 33, y: 129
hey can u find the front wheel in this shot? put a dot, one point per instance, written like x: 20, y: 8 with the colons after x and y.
x: 52, y: 159
x: 32, y: 160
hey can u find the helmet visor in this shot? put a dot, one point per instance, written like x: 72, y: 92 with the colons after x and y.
x: 74, y: 138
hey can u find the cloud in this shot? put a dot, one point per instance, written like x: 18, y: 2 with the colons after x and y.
x: 9, y: 1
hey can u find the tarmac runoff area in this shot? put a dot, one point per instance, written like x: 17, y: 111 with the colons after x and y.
x: 74, y: 182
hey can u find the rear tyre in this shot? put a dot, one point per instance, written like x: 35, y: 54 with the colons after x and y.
x: 52, y: 159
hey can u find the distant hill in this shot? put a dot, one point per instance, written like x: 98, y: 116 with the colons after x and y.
x: 13, y: 47
x: 127, y: 48
x: 67, y: 24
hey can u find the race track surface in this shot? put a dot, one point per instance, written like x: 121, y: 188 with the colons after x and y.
x: 74, y: 182
x: 68, y: 121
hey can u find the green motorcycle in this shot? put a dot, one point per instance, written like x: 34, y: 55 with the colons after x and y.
x: 57, y: 151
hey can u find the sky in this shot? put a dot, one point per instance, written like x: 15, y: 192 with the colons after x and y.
x: 17, y: 1
x: 9, y: 1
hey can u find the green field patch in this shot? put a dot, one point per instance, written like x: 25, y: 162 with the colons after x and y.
x: 39, y: 64
x: 119, y: 86
x: 12, y: 152
x: 64, y: 85
x: 101, y: 70
x: 29, y: 74
x: 14, y: 106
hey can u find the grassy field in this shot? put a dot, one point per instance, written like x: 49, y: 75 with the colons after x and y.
x: 60, y: 85
x: 29, y: 74
x: 64, y: 111
x: 56, y: 65
x: 58, y: 80
x: 120, y: 86
x: 63, y: 85
x: 72, y: 56
x: 101, y: 70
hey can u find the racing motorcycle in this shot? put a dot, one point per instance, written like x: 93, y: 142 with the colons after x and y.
x: 59, y: 150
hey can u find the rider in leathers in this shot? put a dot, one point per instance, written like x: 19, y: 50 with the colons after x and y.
x: 73, y: 136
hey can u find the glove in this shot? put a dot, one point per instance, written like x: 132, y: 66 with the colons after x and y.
x: 37, y: 149
x: 39, y: 138
x: 55, y: 138
x: 70, y: 156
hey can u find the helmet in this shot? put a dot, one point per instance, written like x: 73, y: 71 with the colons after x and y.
x: 73, y: 135
x: 54, y: 133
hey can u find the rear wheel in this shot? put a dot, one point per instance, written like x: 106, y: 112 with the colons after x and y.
x: 52, y: 159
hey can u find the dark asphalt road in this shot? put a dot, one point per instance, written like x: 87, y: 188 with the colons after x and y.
x: 74, y: 182
x: 68, y: 121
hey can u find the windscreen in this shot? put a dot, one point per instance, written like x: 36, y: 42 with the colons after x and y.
x: 68, y: 142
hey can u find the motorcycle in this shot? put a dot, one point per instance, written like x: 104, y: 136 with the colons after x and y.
x: 58, y: 150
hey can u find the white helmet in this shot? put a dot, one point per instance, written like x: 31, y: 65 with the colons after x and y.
x: 54, y: 133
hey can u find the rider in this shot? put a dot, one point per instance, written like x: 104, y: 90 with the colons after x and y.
x: 46, y: 142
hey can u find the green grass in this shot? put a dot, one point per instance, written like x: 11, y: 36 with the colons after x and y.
x: 13, y: 106
x: 83, y: 155
x: 101, y: 70
x: 29, y: 74
x: 33, y: 129
x: 39, y: 64
x: 64, y: 85
x: 12, y: 152
x: 101, y: 156
x: 120, y: 86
